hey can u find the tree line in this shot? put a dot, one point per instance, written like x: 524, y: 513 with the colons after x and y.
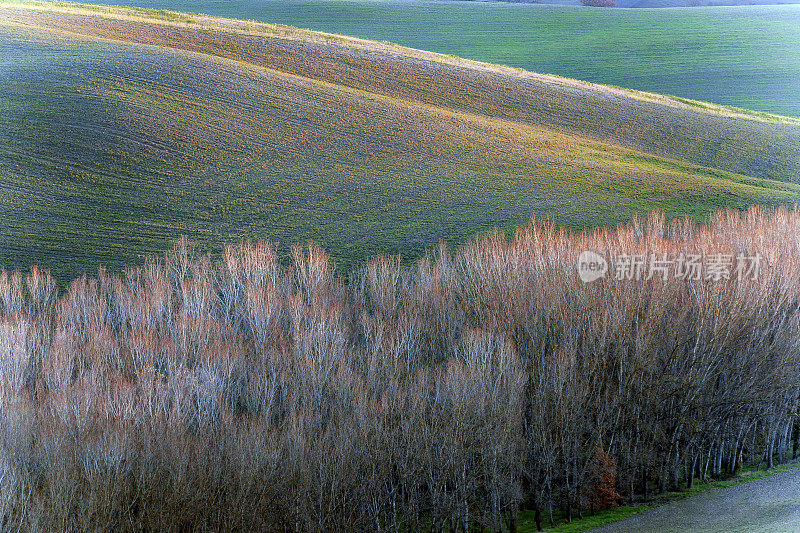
x: 245, y: 392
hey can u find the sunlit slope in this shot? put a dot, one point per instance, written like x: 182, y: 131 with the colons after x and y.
x: 744, y: 56
x: 696, y: 132
x: 111, y: 149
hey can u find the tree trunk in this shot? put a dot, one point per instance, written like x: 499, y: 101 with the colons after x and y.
x: 630, y: 488
x: 513, y: 524
x: 645, y: 491
x: 465, y: 518
x: 771, y: 449
x: 784, y: 439
x: 675, y: 471
x: 699, y: 466
x: 737, y: 469
x: 497, y: 523
x: 569, y: 509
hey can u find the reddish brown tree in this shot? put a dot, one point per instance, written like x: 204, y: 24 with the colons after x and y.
x: 601, y: 491
x: 599, y: 3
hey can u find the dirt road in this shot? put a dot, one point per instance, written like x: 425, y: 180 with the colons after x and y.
x: 771, y: 504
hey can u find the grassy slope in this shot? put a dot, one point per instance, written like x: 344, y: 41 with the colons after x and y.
x: 618, y: 116
x: 744, y: 56
x: 112, y: 147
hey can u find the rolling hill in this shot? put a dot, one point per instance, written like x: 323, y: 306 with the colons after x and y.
x: 743, y: 56
x: 122, y: 129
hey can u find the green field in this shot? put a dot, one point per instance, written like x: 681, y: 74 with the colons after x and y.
x: 122, y: 132
x: 744, y: 56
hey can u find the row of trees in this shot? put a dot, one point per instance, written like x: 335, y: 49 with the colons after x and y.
x: 599, y: 3
x: 245, y: 393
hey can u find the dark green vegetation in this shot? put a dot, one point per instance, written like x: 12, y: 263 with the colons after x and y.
x: 115, y: 142
x: 742, y: 56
